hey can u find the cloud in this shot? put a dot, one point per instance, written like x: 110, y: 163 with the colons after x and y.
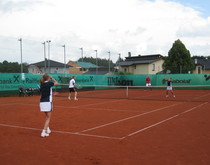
x: 16, y: 5
x: 195, y: 29
x: 119, y: 26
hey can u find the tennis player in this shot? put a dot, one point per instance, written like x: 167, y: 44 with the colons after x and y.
x: 72, y: 88
x: 46, y: 101
x: 169, y: 87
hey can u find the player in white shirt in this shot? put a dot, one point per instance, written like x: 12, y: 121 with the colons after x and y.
x: 72, y: 85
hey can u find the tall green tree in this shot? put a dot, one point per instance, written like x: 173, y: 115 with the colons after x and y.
x: 12, y: 67
x: 200, y: 57
x: 178, y: 60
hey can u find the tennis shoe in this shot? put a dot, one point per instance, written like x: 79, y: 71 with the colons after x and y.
x: 69, y: 98
x: 48, y: 131
x: 44, y: 134
x: 75, y: 98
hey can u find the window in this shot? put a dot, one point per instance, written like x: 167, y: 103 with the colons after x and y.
x: 153, y: 67
x: 82, y: 69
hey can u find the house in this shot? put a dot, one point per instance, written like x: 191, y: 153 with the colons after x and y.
x: 142, y: 64
x: 100, y: 71
x: 48, y: 66
x: 202, y: 66
x: 81, y: 67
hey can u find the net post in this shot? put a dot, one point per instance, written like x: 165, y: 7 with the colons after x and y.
x: 127, y: 91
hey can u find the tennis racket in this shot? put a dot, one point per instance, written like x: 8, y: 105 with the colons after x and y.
x: 78, y: 86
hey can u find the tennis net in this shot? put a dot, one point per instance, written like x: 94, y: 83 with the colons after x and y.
x: 195, y: 93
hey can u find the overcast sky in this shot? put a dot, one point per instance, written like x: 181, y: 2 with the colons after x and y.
x: 119, y: 26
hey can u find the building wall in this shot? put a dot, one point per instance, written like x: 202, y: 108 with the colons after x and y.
x: 141, y: 69
x: 53, y: 70
x: 34, y: 69
x: 152, y: 68
x: 76, y: 69
x: 155, y: 67
x: 58, y: 70
x: 198, y: 70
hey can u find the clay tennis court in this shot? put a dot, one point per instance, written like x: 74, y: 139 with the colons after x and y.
x: 95, y: 131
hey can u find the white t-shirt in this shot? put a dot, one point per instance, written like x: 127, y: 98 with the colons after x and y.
x: 71, y: 83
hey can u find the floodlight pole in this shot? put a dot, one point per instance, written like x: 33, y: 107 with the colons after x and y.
x: 45, y: 65
x: 109, y: 60
x: 48, y: 55
x: 118, y: 63
x: 64, y: 48
x: 96, y: 61
x: 21, y: 56
x: 81, y: 53
x: 82, y: 56
x: 119, y: 58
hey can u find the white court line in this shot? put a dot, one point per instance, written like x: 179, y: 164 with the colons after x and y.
x: 82, y: 134
x: 163, y: 121
x: 128, y: 118
x: 76, y: 107
x: 97, y: 103
x: 63, y: 132
x: 107, y: 137
x: 73, y: 106
x: 16, y: 126
x: 97, y: 109
x: 113, y: 110
x: 201, y: 96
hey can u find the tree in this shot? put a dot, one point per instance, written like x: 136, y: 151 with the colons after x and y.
x: 178, y: 60
x: 200, y: 57
x: 12, y: 67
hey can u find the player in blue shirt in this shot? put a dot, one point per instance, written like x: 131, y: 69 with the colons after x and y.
x: 46, y: 100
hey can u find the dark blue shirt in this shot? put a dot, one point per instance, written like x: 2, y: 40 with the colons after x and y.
x: 169, y: 83
x: 46, y: 91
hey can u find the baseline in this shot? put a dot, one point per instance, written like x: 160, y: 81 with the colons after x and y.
x: 63, y: 132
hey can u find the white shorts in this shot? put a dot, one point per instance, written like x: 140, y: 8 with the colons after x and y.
x: 148, y: 84
x: 46, y: 106
x: 169, y: 88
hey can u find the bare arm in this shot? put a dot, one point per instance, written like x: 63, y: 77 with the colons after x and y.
x: 165, y: 78
x: 54, y: 80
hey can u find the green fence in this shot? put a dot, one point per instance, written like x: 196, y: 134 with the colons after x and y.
x: 12, y: 81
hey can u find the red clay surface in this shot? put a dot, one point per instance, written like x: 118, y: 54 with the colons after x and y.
x: 105, y: 132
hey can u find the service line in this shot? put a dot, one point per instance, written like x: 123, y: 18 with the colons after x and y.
x: 163, y: 121
x: 128, y: 118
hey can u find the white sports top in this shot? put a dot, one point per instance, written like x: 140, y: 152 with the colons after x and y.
x: 71, y: 83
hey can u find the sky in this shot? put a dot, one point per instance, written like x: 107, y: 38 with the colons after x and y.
x: 142, y: 27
